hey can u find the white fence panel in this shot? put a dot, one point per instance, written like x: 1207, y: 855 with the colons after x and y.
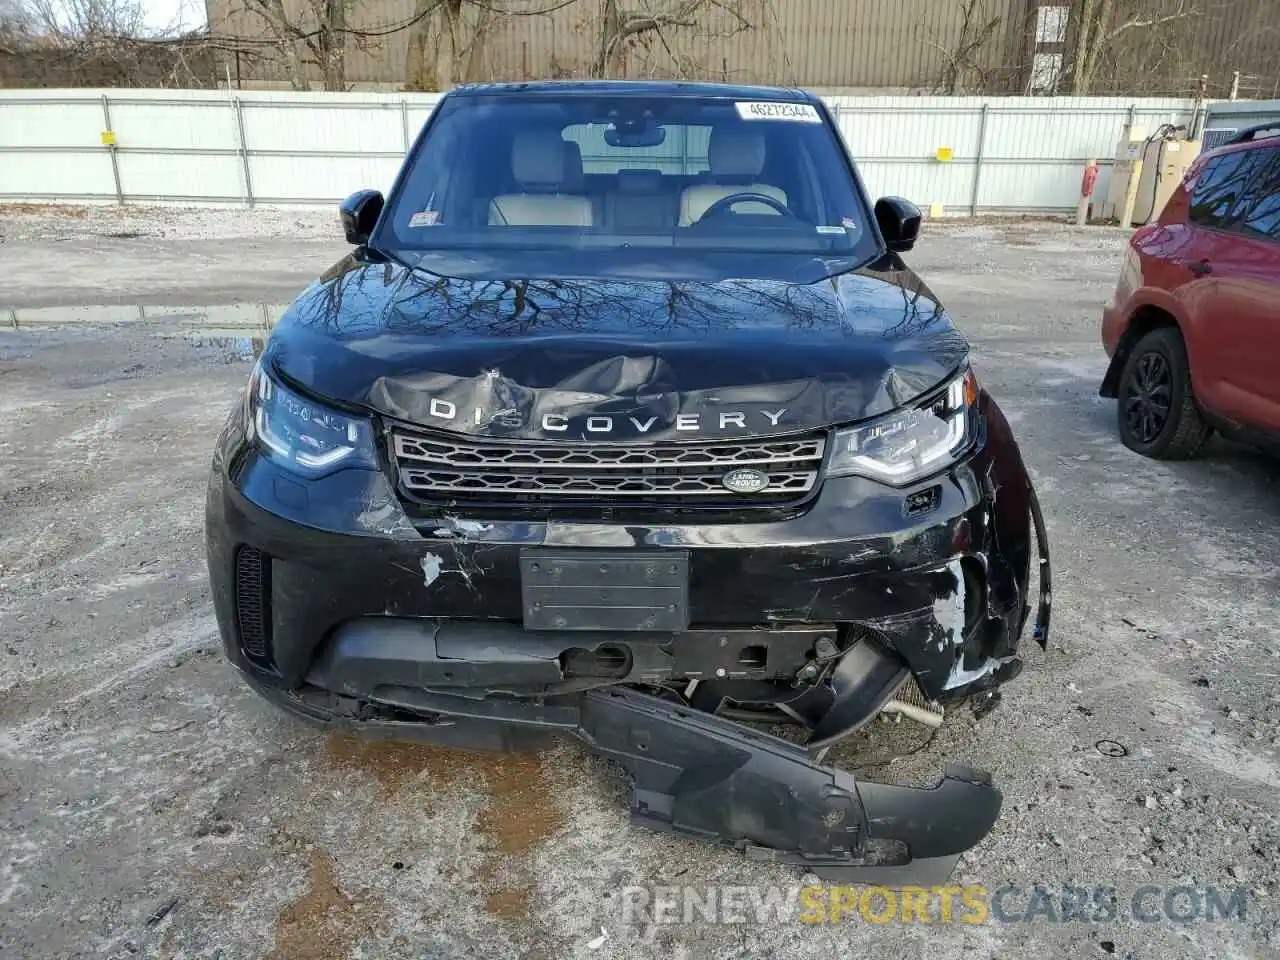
x: 51, y: 147
x: 142, y: 124
x: 1007, y: 154
x: 285, y: 179
x: 56, y: 176
x: 320, y: 128
x: 968, y: 154
x: 197, y: 178
x: 63, y: 123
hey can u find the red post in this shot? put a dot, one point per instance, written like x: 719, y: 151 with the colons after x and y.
x: 1087, y: 183
x: 1090, y: 179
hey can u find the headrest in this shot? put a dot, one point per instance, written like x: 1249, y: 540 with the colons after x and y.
x: 639, y: 181
x: 736, y: 152
x: 572, y: 167
x: 538, y: 157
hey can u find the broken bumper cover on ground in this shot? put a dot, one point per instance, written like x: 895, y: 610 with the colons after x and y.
x: 709, y: 778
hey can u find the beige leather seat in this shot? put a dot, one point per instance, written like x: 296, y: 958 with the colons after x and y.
x: 737, y: 155
x: 540, y: 165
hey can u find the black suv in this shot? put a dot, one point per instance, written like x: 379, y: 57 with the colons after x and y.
x: 625, y: 420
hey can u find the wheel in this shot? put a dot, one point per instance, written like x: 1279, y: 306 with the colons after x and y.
x: 1156, y: 408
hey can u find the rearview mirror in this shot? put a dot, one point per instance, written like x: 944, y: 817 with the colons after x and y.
x: 634, y: 135
x: 899, y: 222
x: 360, y: 213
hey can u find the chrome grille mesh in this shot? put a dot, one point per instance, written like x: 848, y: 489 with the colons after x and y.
x: 436, y: 466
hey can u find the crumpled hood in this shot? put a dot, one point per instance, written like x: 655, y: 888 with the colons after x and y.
x: 618, y: 359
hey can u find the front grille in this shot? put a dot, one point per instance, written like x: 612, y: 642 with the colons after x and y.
x: 437, y: 467
x: 252, y: 590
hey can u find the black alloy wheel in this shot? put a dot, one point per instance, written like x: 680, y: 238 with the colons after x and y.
x: 1148, y: 399
x: 1156, y: 407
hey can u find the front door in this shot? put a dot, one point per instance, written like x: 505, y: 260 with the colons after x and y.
x: 1246, y: 306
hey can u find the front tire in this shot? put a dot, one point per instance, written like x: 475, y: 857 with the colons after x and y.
x: 1155, y: 406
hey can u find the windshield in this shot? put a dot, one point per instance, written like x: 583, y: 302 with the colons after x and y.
x: 627, y: 175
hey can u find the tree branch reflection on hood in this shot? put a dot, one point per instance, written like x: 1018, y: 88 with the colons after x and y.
x: 357, y: 300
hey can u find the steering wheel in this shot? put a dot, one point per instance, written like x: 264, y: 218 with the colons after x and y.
x: 725, y: 203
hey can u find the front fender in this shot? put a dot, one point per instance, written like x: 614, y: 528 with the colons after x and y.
x: 1148, y: 309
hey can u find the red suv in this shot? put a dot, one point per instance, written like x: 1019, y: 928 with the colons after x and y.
x: 1194, y: 329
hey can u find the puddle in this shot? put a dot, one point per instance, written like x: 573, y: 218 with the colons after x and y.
x: 239, y: 329
x: 229, y: 319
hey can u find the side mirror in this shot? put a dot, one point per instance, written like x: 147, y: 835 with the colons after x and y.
x: 899, y: 222
x: 360, y: 213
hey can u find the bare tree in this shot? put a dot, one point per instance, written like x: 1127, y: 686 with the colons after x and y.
x: 97, y: 43
x: 446, y: 43
x: 963, y: 71
x: 286, y: 34
x: 1102, y: 22
x: 448, y: 38
x: 318, y: 27
x: 15, y: 19
x: 620, y: 29
x: 79, y: 21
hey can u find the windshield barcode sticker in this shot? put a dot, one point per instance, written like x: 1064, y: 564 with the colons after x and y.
x: 772, y: 110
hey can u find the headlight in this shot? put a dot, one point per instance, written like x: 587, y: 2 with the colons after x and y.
x: 302, y: 435
x: 911, y: 443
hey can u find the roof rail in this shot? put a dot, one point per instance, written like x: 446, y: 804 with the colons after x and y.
x: 1251, y: 133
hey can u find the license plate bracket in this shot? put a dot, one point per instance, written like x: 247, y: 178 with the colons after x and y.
x: 609, y: 590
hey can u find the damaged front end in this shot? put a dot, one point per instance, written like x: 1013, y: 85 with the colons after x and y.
x: 698, y: 770
x: 668, y: 649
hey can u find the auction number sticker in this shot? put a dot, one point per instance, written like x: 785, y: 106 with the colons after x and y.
x: 772, y: 110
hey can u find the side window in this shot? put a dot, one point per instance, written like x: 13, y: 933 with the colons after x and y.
x: 1221, y: 191
x: 426, y: 189
x: 1264, y: 219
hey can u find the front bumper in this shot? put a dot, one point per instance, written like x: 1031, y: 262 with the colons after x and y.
x: 337, y: 606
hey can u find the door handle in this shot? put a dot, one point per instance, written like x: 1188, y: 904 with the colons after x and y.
x: 1201, y: 268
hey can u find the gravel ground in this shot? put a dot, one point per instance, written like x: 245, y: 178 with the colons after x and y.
x: 151, y: 806
x: 40, y: 223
